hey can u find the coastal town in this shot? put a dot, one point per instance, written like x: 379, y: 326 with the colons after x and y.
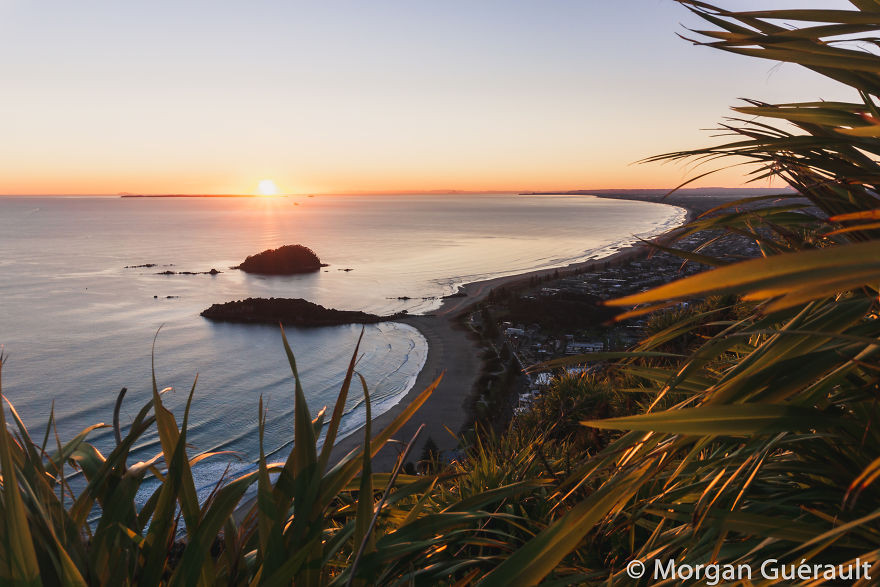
x: 561, y: 316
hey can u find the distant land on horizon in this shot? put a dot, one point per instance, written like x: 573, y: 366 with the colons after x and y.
x: 641, y: 192
x: 708, y: 191
x: 200, y: 196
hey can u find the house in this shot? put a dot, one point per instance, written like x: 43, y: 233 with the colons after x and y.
x: 543, y: 379
x: 577, y: 348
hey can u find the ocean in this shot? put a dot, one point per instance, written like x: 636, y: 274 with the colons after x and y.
x: 78, y: 317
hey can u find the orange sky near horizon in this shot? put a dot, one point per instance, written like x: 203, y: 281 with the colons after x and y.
x: 637, y: 177
x: 365, y: 97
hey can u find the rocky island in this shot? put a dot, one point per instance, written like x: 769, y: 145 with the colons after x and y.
x: 286, y: 260
x: 288, y: 311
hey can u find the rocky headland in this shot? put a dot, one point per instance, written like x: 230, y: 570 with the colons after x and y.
x: 288, y: 311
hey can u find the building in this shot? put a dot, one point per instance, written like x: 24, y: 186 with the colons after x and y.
x: 577, y: 348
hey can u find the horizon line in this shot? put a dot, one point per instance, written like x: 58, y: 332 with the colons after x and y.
x: 572, y: 191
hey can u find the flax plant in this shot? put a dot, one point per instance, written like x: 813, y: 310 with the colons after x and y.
x: 771, y: 445
x: 313, y: 522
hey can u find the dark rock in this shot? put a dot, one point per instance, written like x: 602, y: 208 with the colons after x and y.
x: 169, y: 272
x: 286, y: 260
x: 140, y: 266
x: 291, y: 311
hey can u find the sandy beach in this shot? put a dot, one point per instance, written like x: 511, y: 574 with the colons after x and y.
x: 453, y: 352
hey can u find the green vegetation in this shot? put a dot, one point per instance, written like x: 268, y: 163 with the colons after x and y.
x: 741, y: 428
x: 314, y: 524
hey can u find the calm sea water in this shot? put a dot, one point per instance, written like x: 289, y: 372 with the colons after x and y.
x: 77, y: 325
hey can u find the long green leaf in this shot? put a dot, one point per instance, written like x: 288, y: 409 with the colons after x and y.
x: 534, y: 561
x: 20, y: 559
x: 728, y: 420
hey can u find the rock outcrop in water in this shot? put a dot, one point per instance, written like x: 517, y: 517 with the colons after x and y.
x: 211, y: 272
x: 289, y: 311
x: 286, y: 260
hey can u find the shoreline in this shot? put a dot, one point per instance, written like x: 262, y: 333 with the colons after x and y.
x: 452, y: 349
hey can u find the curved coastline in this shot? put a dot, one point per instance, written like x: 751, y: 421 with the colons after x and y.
x: 452, y: 352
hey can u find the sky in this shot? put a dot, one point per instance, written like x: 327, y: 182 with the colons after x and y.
x: 344, y: 96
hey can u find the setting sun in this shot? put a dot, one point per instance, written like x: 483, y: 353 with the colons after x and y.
x: 268, y: 188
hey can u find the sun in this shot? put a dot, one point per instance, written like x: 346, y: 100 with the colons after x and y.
x: 267, y: 187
